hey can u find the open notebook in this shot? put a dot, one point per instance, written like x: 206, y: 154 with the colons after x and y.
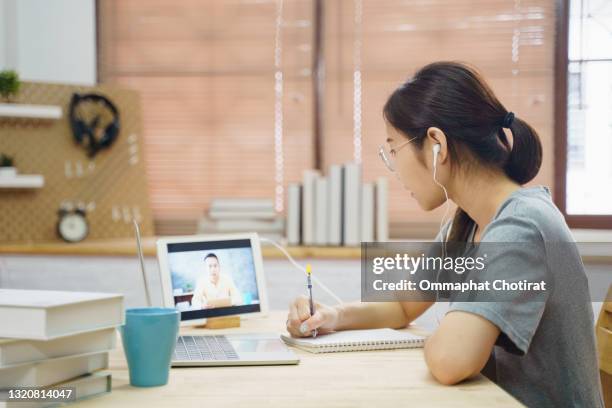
x: 356, y: 340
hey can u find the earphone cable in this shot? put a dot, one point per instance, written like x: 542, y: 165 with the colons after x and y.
x: 443, y: 237
x: 301, y: 268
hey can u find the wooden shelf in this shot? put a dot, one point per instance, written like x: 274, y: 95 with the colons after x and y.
x: 127, y: 247
x: 18, y: 110
x: 22, y: 181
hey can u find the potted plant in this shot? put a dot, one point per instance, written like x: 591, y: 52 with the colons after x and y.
x: 9, y: 84
x: 7, y: 168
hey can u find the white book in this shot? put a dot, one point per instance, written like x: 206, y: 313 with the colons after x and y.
x: 15, y: 351
x: 241, y: 204
x: 356, y: 340
x: 382, y: 210
x: 308, y: 206
x: 321, y: 211
x: 84, y: 387
x: 279, y: 239
x: 294, y: 213
x: 242, y: 215
x: 367, y: 212
x: 206, y: 225
x: 276, y: 224
x: 43, y: 373
x: 352, y: 204
x: 48, y: 314
x: 334, y: 209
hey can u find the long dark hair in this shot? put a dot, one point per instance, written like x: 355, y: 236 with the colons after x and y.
x: 455, y: 98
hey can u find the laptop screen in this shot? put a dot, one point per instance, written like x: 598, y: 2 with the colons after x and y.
x: 213, y: 278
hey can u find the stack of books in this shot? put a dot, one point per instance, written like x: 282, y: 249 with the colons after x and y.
x: 56, y: 340
x: 337, y: 209
x: 237, y: 215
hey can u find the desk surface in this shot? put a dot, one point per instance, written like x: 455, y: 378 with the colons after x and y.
x: 359, y: 379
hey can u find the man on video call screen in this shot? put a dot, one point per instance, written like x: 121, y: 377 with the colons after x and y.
x: 215, y: 288
x: 213, y: 275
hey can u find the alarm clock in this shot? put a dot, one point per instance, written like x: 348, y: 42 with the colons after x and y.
x: 72, y: 225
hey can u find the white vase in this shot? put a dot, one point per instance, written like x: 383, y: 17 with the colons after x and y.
x: 8, y: 171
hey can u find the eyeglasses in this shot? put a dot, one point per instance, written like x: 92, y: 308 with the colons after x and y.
x: 388, y: 157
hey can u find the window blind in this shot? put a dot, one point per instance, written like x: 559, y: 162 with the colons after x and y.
x: 205, y: 70
x: 205, y: 73
x: 509, y: 41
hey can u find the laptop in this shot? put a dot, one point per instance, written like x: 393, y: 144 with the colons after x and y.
x: 205, y: 276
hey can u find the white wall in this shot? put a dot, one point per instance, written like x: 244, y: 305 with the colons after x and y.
x: 4, y: 22
x: 50, y: 41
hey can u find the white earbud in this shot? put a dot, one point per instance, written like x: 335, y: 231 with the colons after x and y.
x: 436, y: 151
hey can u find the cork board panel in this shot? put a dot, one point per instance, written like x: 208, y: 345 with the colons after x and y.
x: 112, y: 186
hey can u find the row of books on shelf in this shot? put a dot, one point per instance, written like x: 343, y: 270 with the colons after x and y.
x: 235, y: 215
x: 337, y: 209
x: 56, y: 340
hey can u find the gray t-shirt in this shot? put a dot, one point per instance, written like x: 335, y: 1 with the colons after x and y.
x: 545, y: 355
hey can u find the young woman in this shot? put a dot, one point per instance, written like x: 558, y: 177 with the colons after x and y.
x: 445, y: 131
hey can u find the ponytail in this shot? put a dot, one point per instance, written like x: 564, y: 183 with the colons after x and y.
x: 522, y: 164
x: 460, y: 227
x: 525, y: 157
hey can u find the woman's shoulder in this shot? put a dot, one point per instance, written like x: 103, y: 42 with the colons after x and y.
x: 529, y: 214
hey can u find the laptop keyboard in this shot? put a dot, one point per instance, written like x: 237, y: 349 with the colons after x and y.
x: 198, y: 348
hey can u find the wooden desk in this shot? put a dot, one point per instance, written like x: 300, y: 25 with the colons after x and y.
x: 391, y: 378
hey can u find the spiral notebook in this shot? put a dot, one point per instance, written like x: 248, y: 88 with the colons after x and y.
x: 356, y: 340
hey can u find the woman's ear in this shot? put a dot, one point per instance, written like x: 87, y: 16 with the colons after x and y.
x: 436, y: 136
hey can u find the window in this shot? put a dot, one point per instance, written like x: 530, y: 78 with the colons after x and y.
x: 585, y: 173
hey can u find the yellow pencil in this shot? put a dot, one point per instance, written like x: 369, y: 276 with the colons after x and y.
x: 309, y: 284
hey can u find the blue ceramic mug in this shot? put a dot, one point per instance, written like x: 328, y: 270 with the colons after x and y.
x: 149, y: 338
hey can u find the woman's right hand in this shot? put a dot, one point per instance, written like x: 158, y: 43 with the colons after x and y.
x: 301, y: 324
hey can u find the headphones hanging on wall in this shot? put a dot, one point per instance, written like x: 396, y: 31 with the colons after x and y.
x: 89, y: 133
